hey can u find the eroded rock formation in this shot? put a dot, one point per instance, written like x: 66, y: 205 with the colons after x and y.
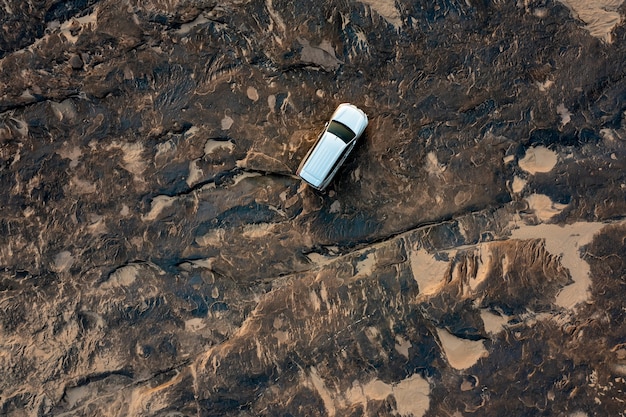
x: 158, y: 256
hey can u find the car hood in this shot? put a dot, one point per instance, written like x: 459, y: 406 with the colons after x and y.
x: 351, y: 117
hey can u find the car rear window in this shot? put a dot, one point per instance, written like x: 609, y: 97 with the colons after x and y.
x: 341, y: 131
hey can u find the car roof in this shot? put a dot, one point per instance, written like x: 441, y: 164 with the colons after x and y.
x: 323, y: 158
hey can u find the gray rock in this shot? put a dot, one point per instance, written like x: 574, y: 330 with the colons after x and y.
x: 76, y: 62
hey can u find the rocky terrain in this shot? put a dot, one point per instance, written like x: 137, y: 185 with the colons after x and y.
x: 158, y: 256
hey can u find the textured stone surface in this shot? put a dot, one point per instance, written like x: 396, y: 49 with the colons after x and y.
x: 158, y: 256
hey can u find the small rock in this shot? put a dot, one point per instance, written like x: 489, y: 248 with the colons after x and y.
x: 76, y: 62
x: 252, y: 93
x: 227, y: 122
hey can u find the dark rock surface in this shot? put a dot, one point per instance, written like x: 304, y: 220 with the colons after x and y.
x: 159, y: 258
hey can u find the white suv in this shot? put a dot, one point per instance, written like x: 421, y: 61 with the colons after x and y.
x: 333, y: 145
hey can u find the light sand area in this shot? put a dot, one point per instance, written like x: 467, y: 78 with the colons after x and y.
x: 386, y: 9
x: 566, y: 242
x: 411, y: 394
x: 538, y: 159
x: 461, y: 353
x: 599, y: 16
x: 543, y: 207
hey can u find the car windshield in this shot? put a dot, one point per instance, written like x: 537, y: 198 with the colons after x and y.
x: 341, y: 131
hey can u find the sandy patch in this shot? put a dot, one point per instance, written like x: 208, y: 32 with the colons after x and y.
x: 133, y: 159
x: 462, y: 197
x: 195, y: 324
x: 323, y: 392
x: 63, y: 261
x: 428, y: 272
x: 387, y: 10
x: 165, y: 148
x: 244, y: 176
x: 258, y: 231
x: 275, y: 19
x: 195, y: 173
x: 565, y: 114
x: 433, y: 167
x: 315, y: 302
x: 322, y: 54
x: 544, y: 207
x: 485, y: 259
x: 213, y: 145
x: 227, y: 122
x: 600, y: 16
x: 461, y: 353
x: 71, y: 25
x: 402, y: 346
x: 97, y: 225
x: 545, y: 85
x: 411, y: 394
x: 538, y: 159
x: 122, y: 277
x: 518, y: 185
x: 80, y: 186
x: 493, y: 323
x: 73, y: 154
x: 159, y: 203
x: 203, y: 263
x: 252, y: 93
x: 185, y: 28
x: 281, y: 336
x: 213, y: 237
x: 566, y: 241
x: 319, y: 259
x: 63, y: 110
x: 125, y: 210
x: 335, y: 207
x: 365, y: 267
